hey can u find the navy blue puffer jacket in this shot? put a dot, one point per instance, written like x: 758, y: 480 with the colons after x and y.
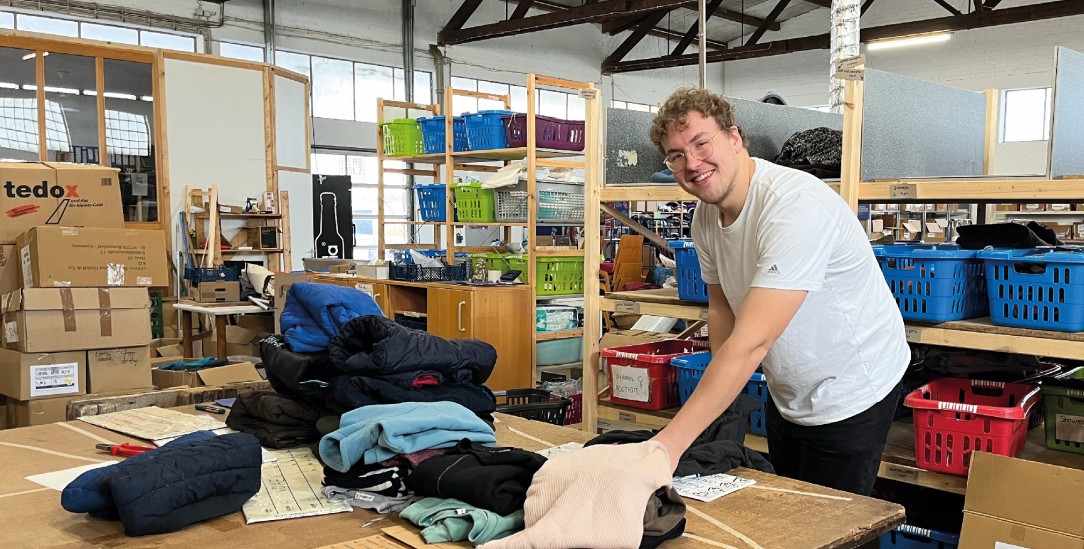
x: 166, y: 489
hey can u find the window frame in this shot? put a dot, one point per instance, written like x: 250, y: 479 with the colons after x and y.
x: 1004, y: 114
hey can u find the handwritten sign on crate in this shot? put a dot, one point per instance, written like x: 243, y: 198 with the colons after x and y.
x: 631, y: 383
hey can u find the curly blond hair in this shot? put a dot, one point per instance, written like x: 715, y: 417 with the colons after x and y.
x: 674, y: 113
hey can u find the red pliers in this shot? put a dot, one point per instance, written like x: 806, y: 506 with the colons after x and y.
x: 124, y: 450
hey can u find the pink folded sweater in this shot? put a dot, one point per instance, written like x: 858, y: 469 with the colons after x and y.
x: 594, y: 497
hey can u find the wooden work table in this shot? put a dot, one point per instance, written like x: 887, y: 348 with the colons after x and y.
x: 775, y: 513
x: 502, y: 316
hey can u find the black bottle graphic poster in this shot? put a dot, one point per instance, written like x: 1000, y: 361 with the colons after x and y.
x: 331, y: 216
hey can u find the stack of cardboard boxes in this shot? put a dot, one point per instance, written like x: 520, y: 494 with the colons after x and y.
x: 74, y: 305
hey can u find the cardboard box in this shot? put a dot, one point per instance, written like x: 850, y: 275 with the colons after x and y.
x: 1016, y: 503
x: 43, y: 320
x: 72, y: 195
x: 218, y: 292
x: 283, y: 281
x: 29, y: 376
x: 620, y: 338
x: 222, y: 375
x: 11, y: 276
x: 27, y: 413
x: 67, y: 256
x: 112, y: 370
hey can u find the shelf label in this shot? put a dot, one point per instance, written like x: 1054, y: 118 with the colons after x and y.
x: 703, y: 314
x: 913, y: 334
x: 852, y: 62
x: 627, y: 417
x: 1069, y: 428
x: 853, y: 68
x: 903, y: 190
x: 631, y: 383
x: 589, y: 93
x: 627, y: 307
x: 901, y: 473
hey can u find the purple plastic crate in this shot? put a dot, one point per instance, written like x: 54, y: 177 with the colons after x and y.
x: 550, y: 133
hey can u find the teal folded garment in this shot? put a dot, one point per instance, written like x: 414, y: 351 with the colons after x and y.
x: 446, y: 520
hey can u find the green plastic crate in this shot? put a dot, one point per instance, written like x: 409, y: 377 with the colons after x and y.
x: 474, y: 204
x: 402, y: 137
x: 494, y: 261
x: 1065, y: 406
x: 556, y: 275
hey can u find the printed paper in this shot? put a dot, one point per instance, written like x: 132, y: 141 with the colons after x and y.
x: 291, y: 489
x: 566, y: 447
x: 710, y: 488
x: 154, y: 423
x: 57, y: 480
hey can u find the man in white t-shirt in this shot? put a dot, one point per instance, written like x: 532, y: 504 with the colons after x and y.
x: 792, y: 285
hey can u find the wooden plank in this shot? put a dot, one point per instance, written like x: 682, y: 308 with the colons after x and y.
x: 270, y: 150
x: 555, y: 163
x: 686, y: 311
x: 39, y: 81
x: 550, y: 336
x: 851, y: 174
x: 979, y: 189
x: 592, y: 247
x: 557, y: 251
x: 562, y: 83
x: 645, y: 418
x: 506, y: 99
x: 974, y: 335
x: 992, y: 127
x: 99, y: 83
x: 646, y: 192
x: 635, y: 226
x: 284, y: 226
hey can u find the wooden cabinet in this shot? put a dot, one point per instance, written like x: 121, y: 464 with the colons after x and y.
x: 451, y: 313
x: 500, y: 316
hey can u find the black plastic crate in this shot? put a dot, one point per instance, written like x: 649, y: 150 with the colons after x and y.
x: 533, y: 404
x: 417, y: 273
x: 212, y: 274
x: 414, y: 323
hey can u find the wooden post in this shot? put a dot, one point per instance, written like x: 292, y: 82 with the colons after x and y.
x: 851, y: 174
x: 592, y: 330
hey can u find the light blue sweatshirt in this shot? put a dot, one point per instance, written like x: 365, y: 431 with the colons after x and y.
x: 378, y: 432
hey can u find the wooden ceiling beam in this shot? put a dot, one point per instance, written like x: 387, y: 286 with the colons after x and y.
x: 466, y: 9
x: 521, y: 9
x: 951, y: 9
x: 1005, y: 16
x: 588, y: 13
x: 690, y: 35
x: 647, y: 23
x: 757, y: 34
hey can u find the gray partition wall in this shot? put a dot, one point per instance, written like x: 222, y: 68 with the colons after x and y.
x: 914, y: 128
x: 631, y: 157
x: 1067, y: 128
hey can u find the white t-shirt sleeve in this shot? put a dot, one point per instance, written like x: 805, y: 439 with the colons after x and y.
x: 795, y: 239
x: 701, y: 243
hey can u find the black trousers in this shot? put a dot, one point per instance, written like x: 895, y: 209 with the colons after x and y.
x: 844, y: 455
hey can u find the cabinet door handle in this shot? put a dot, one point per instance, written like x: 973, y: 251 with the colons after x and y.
x: 460, y: 315
x: 376, y: 296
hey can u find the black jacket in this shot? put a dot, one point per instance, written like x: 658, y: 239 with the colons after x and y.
x: 490, y: 478
x: 277, y: 420
x: 375, y: 346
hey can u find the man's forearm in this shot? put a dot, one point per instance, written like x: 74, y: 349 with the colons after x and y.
x: 720, y: 326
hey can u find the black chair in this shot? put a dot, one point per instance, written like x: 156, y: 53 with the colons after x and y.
x: 533, y: 404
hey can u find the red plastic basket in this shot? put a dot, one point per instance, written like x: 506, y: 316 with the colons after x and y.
x: 955, y: 417
x: 574, y: 414
x: 657, y: 381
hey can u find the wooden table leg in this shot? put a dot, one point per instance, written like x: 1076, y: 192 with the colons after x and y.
x: 186, y: 333
x: 220, y: 327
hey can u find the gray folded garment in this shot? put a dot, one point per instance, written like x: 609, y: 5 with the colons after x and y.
x: 665, y: 509
x: 369, y: 500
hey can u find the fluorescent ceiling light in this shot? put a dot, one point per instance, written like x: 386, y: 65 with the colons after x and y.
x: 30, y: 56
x: 30, y: 87
x: 52, y: 89
x: 904, y: 41
x: 113, y: 95
x: 9, y: 86
x: 90, y: 92
x: 147, y: 98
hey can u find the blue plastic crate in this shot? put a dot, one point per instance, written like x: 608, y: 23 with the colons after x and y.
x: 912, y: 537
x: 690, y: 368
x: 433, y: 132
x: 757, y: 387
x: 690, y: 286
x: 1040, y: 288
x: 432, y: 201
x: 662, y: 273
x: 934, y: 283
x: 485, y: 130
x: 403, y: 257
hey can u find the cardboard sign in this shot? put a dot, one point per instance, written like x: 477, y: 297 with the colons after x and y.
x: 631, y: 383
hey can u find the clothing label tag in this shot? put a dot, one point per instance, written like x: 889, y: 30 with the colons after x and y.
x: 364, y: 496
x: 54, y: 379
x: 11, y: 332
x: 461, y: 511
x: 903, y: 190
x: 631, y: 383
x: 627, y: 307
x: 1069, y: 428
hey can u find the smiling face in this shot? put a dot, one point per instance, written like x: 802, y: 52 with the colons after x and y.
x: 714, y: 177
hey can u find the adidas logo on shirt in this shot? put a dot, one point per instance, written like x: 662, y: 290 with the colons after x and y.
x: 773, y: 270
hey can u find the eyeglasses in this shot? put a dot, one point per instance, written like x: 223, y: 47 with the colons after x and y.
x: 700, y: 151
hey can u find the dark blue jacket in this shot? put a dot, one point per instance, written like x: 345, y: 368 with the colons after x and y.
x: 315, y: 312
x: 163, y: 490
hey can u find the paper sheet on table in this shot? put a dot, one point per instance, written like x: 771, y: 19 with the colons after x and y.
x: 710, y: 488
x: 560, y: 449
x: 291, y: 489
x: 267, y: 455
x: 153, y: 423
x: 57, y: 480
